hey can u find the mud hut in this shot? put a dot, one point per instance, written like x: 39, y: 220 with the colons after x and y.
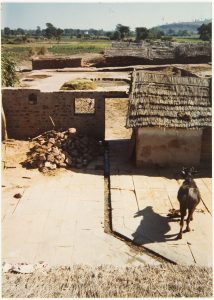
x: 171, y: 119
x: 123, y: 54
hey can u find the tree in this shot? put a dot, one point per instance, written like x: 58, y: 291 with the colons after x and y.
x: 141, y: 33
x: 171, y: 32
x: 50, y: 31
x: 8, y: 68
x: 58, y: 34
x: 38, y: 31
x: 124, y: 30
x: 7, y: 31
x: 205, y: 31
x: 116, y: 36
x: 20, y: 31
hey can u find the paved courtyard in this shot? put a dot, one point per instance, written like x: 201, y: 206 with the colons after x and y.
x: 141, y: 200
x: 59, y: 219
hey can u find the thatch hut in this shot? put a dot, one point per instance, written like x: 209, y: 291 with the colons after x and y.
x: 171, y: 118
x: 123, y: 54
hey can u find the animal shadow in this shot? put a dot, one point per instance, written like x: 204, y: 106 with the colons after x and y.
x: 153, y: 228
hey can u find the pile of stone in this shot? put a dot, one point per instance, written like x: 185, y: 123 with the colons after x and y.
x: 55, y: 149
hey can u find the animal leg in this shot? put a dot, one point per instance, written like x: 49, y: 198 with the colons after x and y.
x: 190, y: 218
x: 181, y: 225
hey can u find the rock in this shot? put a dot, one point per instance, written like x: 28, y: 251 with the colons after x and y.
x: 55, y: 151
x: 61, y: 149
x: 49, y: 145
x: 51, y: 140
x: 50, y: 165
x: 84, y: 162
x: 40, y: 165
x: 79, y: 166
x: 74, y: 153
x: 17, y: 196
x: 84, y: 140
x: 62, y: 156
x: 68, y: 160
x: 72, y: 130
x: 79, y: 160
x: 62, y: 164
x: 50, y: 157
x: 42, y: 157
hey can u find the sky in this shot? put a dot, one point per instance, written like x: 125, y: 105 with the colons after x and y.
x: 100, y: 15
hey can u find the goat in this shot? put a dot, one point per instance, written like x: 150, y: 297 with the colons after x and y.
x: 188, y: 197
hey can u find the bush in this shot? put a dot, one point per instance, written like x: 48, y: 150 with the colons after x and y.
x: 78, y: 85
x: 43, y: 50
x: 32, y: 52
x: 8, y: 67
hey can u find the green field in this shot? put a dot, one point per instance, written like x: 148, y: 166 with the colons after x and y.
x: 187, y: 39
x: 21, y: 51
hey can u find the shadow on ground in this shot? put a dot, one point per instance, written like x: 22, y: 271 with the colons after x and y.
x: 153, y: 228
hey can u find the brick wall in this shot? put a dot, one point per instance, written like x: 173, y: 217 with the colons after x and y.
x: 28, y: 111
x: 56, y: 63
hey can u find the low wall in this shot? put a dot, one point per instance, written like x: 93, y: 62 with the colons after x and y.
x: 116, y: 61
x: 56, y: 63
x: 167, y: 147
x: 28, y: 111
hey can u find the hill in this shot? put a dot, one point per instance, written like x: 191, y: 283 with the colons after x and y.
x: 174, y: 28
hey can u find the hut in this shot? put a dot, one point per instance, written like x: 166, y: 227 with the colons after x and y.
x: 171, y: 118
x: 123, y: 54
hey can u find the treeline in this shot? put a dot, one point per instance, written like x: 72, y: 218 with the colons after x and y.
x: 121, y: 32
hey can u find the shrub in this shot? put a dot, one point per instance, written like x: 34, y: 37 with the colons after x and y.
x: 43, y: 50
x: 32, y: 52
x: 78, y: 85
x: 8, y: 67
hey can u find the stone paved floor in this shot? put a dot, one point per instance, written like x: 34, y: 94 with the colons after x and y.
x: 59, y: 219
x: 141, y: 200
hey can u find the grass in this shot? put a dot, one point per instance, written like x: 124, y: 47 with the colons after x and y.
x: 78, y: 85
x: 21, y: 51
x: 108, y: 281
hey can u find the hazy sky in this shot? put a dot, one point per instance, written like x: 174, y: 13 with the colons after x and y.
x: 101, y: 15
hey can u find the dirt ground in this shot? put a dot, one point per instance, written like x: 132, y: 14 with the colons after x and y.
x: 116, y: 111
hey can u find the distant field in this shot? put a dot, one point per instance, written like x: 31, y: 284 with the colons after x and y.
x: 21, y: 51
x: 187, y: 39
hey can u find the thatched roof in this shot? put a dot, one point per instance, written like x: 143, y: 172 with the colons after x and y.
x: 169, y: 101
x: 161, y: 51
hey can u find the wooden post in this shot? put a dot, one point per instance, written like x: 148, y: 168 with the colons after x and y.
x: 3, y: 125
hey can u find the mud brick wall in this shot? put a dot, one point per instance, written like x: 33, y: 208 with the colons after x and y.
x: 206, y: 147
x: 168, y: 147
x: 27, y: 112
x: 56, y: 63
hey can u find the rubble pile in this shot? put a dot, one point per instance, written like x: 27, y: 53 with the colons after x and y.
x: 55, y: 149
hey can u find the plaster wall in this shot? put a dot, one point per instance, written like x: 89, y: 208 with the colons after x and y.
x: 167, y: 147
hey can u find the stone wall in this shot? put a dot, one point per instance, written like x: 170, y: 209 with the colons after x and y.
x: 56, y: 63
x: 29, y: 112
x: 168, y: 147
